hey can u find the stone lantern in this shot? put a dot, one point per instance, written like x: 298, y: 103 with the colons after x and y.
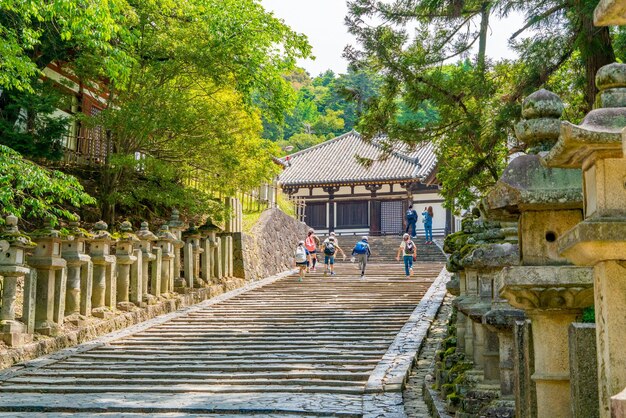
x: 79, y: 274
x: 192, y: 254
x: 13, y: 248
x: 551, y: 292
x: 597, y: 147
x: 125, y: 257
x: 176, y: 227
x: 145, y: 243
x: 210, y: 259
x: 103, y: 295
x: 165, y: 242
x: 51, y: 280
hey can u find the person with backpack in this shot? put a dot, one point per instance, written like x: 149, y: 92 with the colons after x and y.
x: 408, y: 249
x: 301, y: 255
x: 427, y: 219
x: 411, y: 221
x: 311, y: 243
x: 330, y: 248
x: 362, y: 252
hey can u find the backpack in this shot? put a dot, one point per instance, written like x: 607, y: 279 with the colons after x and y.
x: 410, y: 215
x: 360, y: 248
x: 409, y: 247
x: 310, y: 243
x: 300, y: 254
x: 329, y: 248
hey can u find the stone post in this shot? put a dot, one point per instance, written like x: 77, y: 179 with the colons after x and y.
x: 208, y: 231
x: 584, y: 370
x: 551, y: 293
x: 176, y: 227
x: 597, y: 146
x: 145, y: 243
x: 51, y: 281
x: 13, y: 248
x: 104, y: 272
x: 218, y: 272
x: 192, y: 238
x: 165, y: 243
x: 124, y: 254
x: 79, y: 274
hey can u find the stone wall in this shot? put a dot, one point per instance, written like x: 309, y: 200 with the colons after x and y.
x: 268, y: 249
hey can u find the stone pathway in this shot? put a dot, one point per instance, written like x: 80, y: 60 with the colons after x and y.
x: 289, y: 348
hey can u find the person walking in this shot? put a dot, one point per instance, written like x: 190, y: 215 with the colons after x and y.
x: 411, y: 221
x: 362, y: 252
x: 301, y: 255
x: 409, y: 251
x: 330, y: 248
x: 427, y: 219
x: 311, y: 243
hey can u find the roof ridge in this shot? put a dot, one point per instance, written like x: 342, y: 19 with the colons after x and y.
x: 322, y: 144
x: 396, y: 153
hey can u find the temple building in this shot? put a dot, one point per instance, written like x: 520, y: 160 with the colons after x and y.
x: 352, y: 189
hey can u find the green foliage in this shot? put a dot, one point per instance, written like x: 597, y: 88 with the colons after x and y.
x: 34, y: 193
x: 326, y: 106
x: 589, y: 315
x: 27, y: 123
x: 464, y: 103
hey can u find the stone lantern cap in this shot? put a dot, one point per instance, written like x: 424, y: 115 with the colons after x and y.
x: 75, y: 232
x: 492, y: 256
x: 100, y: 232
x: 480, y: 244
x: 527, y: 184
x: 546, y: 287
x: 46, y: 233
x: 175, y: 221
x: 144, y: 234
x: 209, y: 227
x: 600, y: 133
x: 539, y: 129
x: 165, y: 234
x: 126, y: 232
x: 191, y: 232
x: 594, y: 240
x: 12, y: 236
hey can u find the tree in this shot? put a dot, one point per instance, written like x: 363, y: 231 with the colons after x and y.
x: 34, y: 193
x: 476, y: 101
x: 34, y: 34
x: 203, y: 71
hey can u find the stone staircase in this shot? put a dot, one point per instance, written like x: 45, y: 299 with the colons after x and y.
x: 385, y: 248
x: 290, y: 348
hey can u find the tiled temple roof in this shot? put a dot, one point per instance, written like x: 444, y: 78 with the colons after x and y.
x: 335, y: 162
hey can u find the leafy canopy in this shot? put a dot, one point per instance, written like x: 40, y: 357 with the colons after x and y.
x: 34, y: 193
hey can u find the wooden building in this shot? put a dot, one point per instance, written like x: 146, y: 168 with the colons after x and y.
x: 81, y: 145
x: 349, y: 197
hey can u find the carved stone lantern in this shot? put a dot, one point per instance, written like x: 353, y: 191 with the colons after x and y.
x: 597, y: 146
x: 79, y: 274
x: 192, y: 254
x: 551, y: 292
x: 165, y: 242
x: 210, y: 260
x: 125, y: 255
x: 103, y: 299
x: 51, y: 280
x: 13, y: 248
x: 176, y: 227
x: 145, y: 243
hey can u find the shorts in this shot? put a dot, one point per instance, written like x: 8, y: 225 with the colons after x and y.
x: 329, y: 259
x: 304, y: 264
x: 312, y: 252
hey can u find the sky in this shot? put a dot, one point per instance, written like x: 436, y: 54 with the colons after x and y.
x: 322, y: 21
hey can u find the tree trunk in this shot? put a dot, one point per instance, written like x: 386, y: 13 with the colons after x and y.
x: 485, y: 9
x: 595, y: 47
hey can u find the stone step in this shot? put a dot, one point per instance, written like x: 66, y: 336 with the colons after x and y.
x: 290, y: 348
